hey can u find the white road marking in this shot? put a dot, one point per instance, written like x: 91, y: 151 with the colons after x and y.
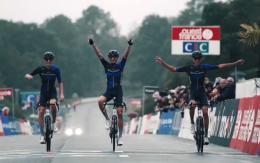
x: 23, y: 154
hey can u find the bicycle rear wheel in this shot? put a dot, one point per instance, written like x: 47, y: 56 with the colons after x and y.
x: 48, y: 133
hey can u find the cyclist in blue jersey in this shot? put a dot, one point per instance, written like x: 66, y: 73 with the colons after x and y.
x: 114, y: 71
x: 197, y: 73
x: 48, y: 73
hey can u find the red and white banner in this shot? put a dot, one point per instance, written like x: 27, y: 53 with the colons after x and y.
x: 186, y: 39
x: 246, y: 136
x: 6, y: 92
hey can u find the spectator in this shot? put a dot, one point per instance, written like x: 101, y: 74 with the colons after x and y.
x: 227, y: 90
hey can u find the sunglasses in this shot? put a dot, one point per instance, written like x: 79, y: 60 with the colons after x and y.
x: 113, y: 56
x: 48, y: 59
x: 197, y: 58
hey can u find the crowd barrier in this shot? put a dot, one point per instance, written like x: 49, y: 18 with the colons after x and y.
x: 8, y: 128
x: 222, y: 121
x: 233, y: 123
x: 246, y: 136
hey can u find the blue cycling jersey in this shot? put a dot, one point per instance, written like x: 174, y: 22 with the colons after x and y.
x: 197, y: 75
x: 113, y: 72
x: 48, y: 77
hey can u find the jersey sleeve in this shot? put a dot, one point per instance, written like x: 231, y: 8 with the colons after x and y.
x: 104, y: 62
x: 122, y: 63
x: 58, y: 74
x: 209, y: 67
x: 36, y: 71
x: 182, y: 69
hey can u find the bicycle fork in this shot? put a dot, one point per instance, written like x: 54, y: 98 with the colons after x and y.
x: 113, y: 127
x: 199, y: 129
x: 48, y: 121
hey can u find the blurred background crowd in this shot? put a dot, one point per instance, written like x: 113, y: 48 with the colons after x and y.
x: 178, y: 98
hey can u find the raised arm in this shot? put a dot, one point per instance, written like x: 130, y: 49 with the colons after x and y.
x: 29, y: 76
x: 96, y: 49
x: 160, y: 61
x: 128, y: 49
x: 233, y: 64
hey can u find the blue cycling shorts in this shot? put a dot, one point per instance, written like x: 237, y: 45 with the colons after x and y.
x: 116, y: 92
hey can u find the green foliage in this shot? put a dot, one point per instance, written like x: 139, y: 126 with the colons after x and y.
x: 22, y: 46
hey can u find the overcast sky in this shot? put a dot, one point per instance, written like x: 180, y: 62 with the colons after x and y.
x: 127, y: 13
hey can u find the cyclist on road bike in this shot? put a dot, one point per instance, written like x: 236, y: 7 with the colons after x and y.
x: 48, y: 73
x: 197, y: 73
x: 114, y: 71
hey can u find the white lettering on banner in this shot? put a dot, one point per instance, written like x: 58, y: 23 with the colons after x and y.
x: 217, y: 124
x: 247, y: 125
x: 256, y: 135
x: 229, y: 126
x: 225, y: 126
x: 191, y: 34
x: 166, y: 121
x: 257, y: 121
x: 238, y: 122
x: 222, y: 128
x: 5, y: 92
x: 212, y: 119
x: 7, y: 125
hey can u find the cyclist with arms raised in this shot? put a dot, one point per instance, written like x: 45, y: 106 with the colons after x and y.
x: 113, y: 70
x: 197, y: 73
x: 48, y: 73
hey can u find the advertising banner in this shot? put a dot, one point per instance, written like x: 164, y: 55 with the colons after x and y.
x: 6, y: 92
x: 29, y: 99
x: 166, y: 123
x: 133, y: 126
x: 176, y: 122
x: 247, y: 128
x: 1, y: 127
x: 248, y: 88
x: 186, y: 39
x: 150, y: 124
x: 222, y: 121
x: 6, y: 125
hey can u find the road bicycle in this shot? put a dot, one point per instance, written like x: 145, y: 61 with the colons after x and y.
x: 199, y: 131
x: 113, y: 134
x: 48, y: 127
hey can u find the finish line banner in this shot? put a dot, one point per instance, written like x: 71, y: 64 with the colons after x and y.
x: 186, y: 39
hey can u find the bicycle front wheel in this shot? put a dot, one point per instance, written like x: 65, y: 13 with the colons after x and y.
x: 48, y: 133
x: 200, y: 134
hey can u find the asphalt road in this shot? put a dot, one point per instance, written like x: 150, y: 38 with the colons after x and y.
x: 94, y: 146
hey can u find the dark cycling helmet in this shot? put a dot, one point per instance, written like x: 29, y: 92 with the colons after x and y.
x: 113, y: 53
x: 196, y: 54
x: 48, y: 55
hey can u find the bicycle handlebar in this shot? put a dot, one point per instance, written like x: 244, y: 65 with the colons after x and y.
x: 114, y: 104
